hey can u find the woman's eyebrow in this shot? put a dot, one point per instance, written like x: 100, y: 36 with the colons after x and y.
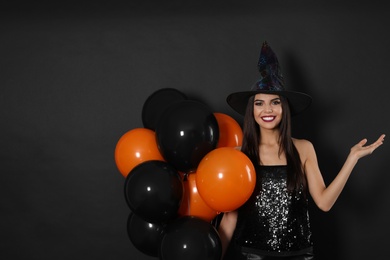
x: 270, y: 100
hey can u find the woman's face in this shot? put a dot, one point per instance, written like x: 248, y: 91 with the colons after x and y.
x: 267, y: 110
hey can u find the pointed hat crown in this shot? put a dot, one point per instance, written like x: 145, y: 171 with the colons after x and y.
x: 271, y: 77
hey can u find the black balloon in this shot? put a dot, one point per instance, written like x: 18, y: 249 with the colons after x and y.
x: 156, y: 104
x: 185, y: 133
x: 145, y: 236
x: 190, y: 238
x: 153, y: 191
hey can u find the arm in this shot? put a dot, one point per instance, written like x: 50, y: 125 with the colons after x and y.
x: 226, y: 229
x: 323, y: 196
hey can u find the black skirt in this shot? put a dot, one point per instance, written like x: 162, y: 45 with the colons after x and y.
x: 251, y: 256
x: 245, y: 254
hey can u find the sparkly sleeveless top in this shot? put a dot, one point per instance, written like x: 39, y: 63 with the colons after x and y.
x: 274, y: 221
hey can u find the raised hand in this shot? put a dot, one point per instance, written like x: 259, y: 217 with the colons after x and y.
x: 360, y: 150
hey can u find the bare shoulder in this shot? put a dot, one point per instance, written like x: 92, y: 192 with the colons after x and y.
x: 301, y: 142
x: 303, y: 146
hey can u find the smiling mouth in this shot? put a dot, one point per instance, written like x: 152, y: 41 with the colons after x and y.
x: 268, y: 118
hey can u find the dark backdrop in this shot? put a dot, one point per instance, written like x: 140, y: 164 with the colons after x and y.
x: 74, y: 77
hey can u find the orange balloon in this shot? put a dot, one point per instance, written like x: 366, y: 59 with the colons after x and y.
x: 192, y: 203
x: 225, y: 179
x: 134, y: 147
x: 230, y: 132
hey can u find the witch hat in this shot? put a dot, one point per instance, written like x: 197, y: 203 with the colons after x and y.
x: 271, y: 81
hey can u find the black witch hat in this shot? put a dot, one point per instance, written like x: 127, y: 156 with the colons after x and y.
x: 270, y: 82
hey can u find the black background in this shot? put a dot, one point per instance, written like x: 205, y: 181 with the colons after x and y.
x: 74, y: 77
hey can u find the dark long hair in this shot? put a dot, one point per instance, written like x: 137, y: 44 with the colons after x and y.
x: 251, y: 142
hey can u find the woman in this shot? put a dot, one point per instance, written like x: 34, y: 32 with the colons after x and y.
x: 274, y: 222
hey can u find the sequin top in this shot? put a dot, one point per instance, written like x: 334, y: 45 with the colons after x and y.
x: 274, y: 221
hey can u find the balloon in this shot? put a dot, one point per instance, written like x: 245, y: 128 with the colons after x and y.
x: 192, y: 203
x: 225, y: 179
x: 136, y: 146
x: 156, y: 103
x: 143, y: 235
x: 185, y: 133
x: 230, y: 132
x: 153, y: 191
x: 190, y: 238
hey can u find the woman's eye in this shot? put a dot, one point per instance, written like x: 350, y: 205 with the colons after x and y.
x: 276, y: 102
x: 258, y: 103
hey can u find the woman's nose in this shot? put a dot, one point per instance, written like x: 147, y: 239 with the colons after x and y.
x: 268, y: 109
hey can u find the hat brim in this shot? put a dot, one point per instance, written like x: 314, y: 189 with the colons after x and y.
x: 298, y: 101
